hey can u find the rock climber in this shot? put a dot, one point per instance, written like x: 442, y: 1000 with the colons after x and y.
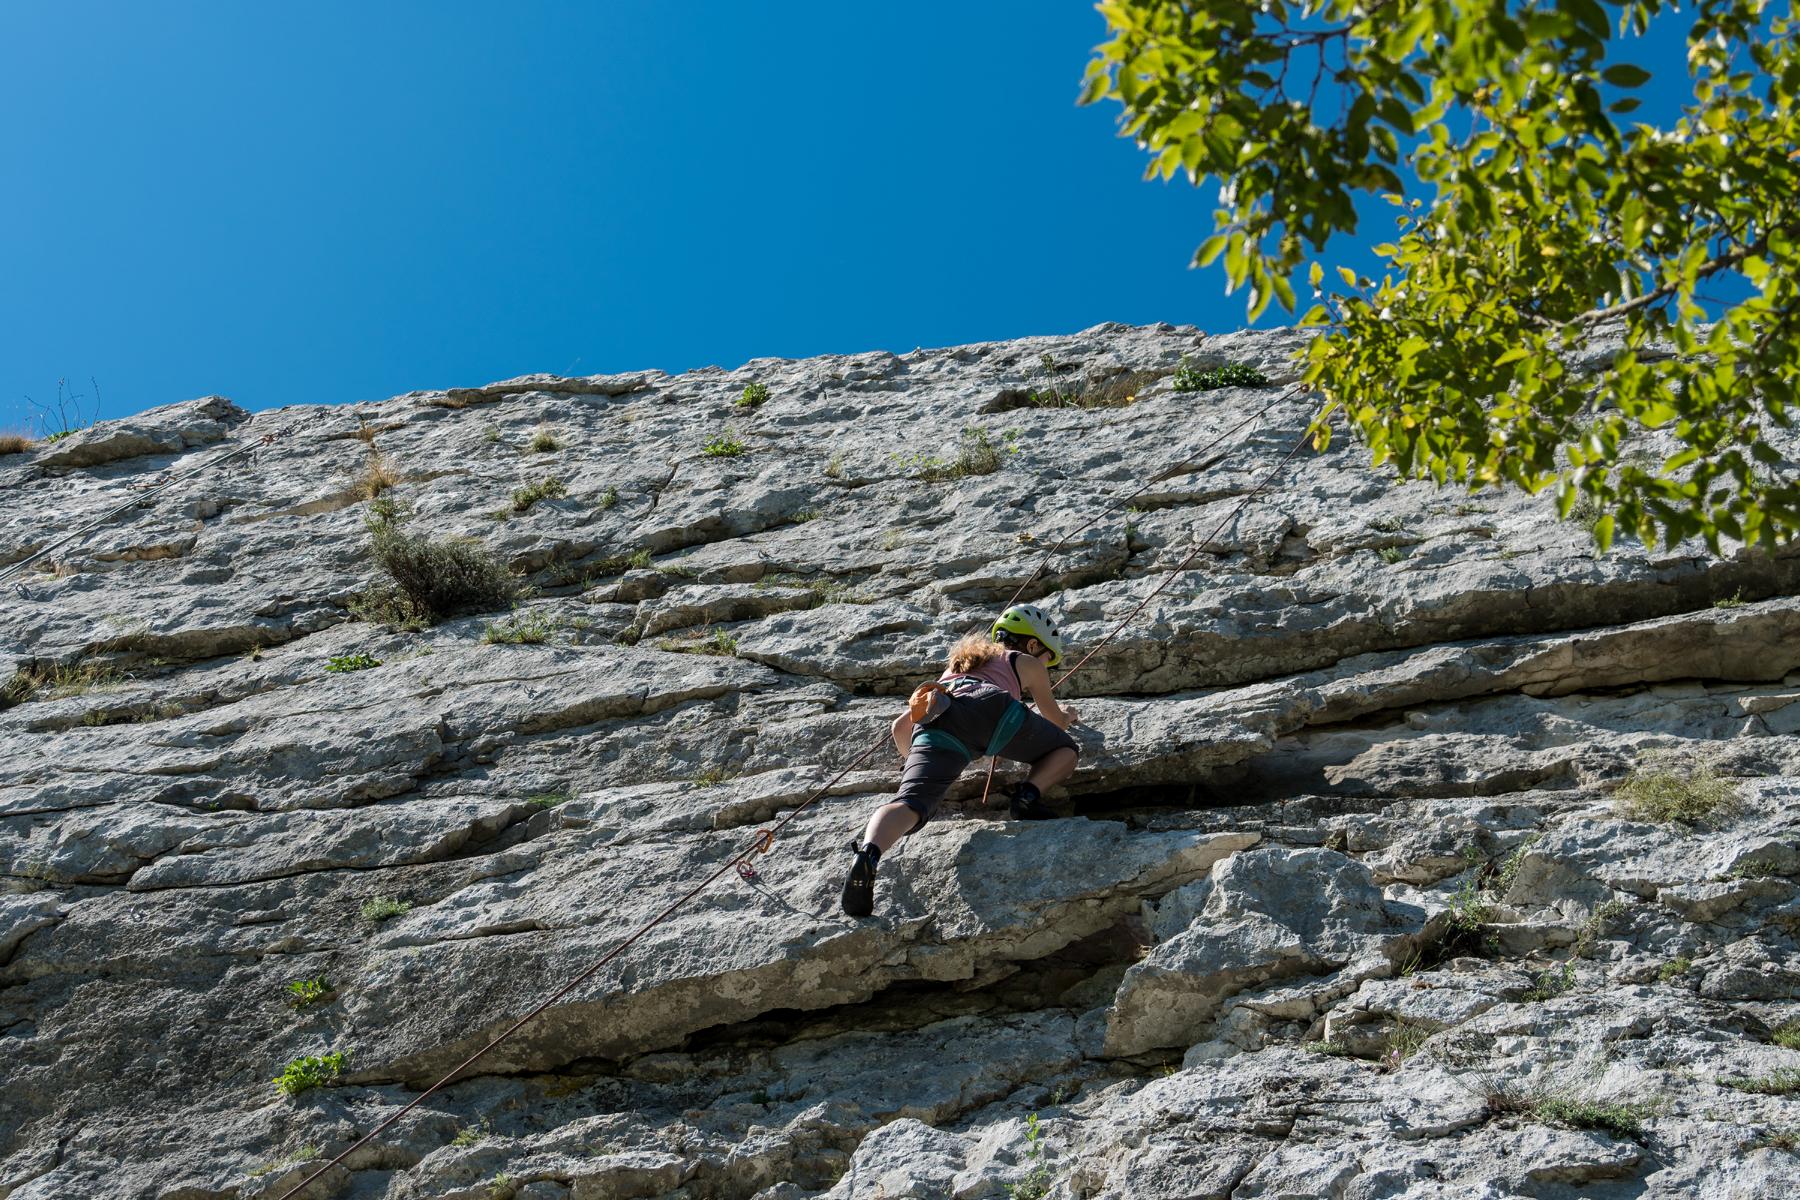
x: 976, y: 707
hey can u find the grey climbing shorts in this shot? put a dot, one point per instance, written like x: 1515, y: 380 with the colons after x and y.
x: 973, y: 716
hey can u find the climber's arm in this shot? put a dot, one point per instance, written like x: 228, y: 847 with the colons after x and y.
x: 1035, y: 676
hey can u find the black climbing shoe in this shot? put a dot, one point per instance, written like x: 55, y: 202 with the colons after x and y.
x: 1028, y: 804
x: 859, y: 889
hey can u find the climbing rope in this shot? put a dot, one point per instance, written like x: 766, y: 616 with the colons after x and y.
x: 764, y: 839
x: 1191, y: 555
x: 142, y: 498
x: 760, y: 844
x: 1193, y: 462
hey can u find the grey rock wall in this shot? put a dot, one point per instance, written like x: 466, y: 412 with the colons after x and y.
x: 1341, y: 905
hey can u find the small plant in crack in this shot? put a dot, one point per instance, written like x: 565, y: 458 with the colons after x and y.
x: 1117, y: 390
x: 754, y: 395
x: 720, y: 642
x: 339, y: 663
x: 385, y: 513
x: 1619, y: 1118
x: 1403, y: 1041
x: 1675, y: 968
x: 725, y: 445
x: 543, y: 441
x: 304, y: 993
x: 608, y: 499
x: 1567, y: 1107
x: 471, y: 1135
x: 551, y: 799
x: 1190, y: 377
x: 303, y: 1154
x: 310, y: 1071
x: 382, y: 908
x: 550, y: 488
x: 1511, y: 865
x: 59, y: 682
x: 976, y: 454
x: 1783, y: 1081
x: 531, y: 628
x: 1037, y: 1179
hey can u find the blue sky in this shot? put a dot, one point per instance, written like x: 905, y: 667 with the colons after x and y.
x: 334, y: 201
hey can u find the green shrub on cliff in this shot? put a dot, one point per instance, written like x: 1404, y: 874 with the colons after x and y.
x: 427, y: 581
x: 310, y: 1071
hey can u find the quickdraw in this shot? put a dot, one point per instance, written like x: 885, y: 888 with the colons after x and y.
x: 765, y: 838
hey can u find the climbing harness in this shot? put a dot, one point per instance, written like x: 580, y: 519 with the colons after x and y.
x: 765, y: 838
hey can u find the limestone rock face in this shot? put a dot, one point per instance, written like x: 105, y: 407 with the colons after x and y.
x: 1340, y: 901
x: 1269, y: 915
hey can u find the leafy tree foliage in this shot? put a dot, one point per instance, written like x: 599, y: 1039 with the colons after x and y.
x: 1535, y: 215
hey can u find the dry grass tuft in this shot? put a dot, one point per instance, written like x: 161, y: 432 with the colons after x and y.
x: 1667, y: 791
x: 14, y: 443
x: 377, y: 477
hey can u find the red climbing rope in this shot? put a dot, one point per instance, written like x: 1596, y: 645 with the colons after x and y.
x: 765, y: 838
x: 142, y: 498
x: 1191, y: 554
x: 760, y: 844
x: 1180, y: 468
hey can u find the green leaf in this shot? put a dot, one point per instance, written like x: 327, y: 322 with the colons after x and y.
x: 1603, y: 532
x: 1284, y: 290
x: 1546, y: 208
x: 1625, y: 75
x: 1591, y: 17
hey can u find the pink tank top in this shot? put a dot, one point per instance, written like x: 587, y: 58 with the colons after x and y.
x: 998, y: 671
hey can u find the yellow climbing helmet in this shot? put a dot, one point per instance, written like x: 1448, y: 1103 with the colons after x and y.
x: 1028, y: 620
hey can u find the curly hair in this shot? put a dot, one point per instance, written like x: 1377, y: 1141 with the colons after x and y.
x: 971, y: 650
